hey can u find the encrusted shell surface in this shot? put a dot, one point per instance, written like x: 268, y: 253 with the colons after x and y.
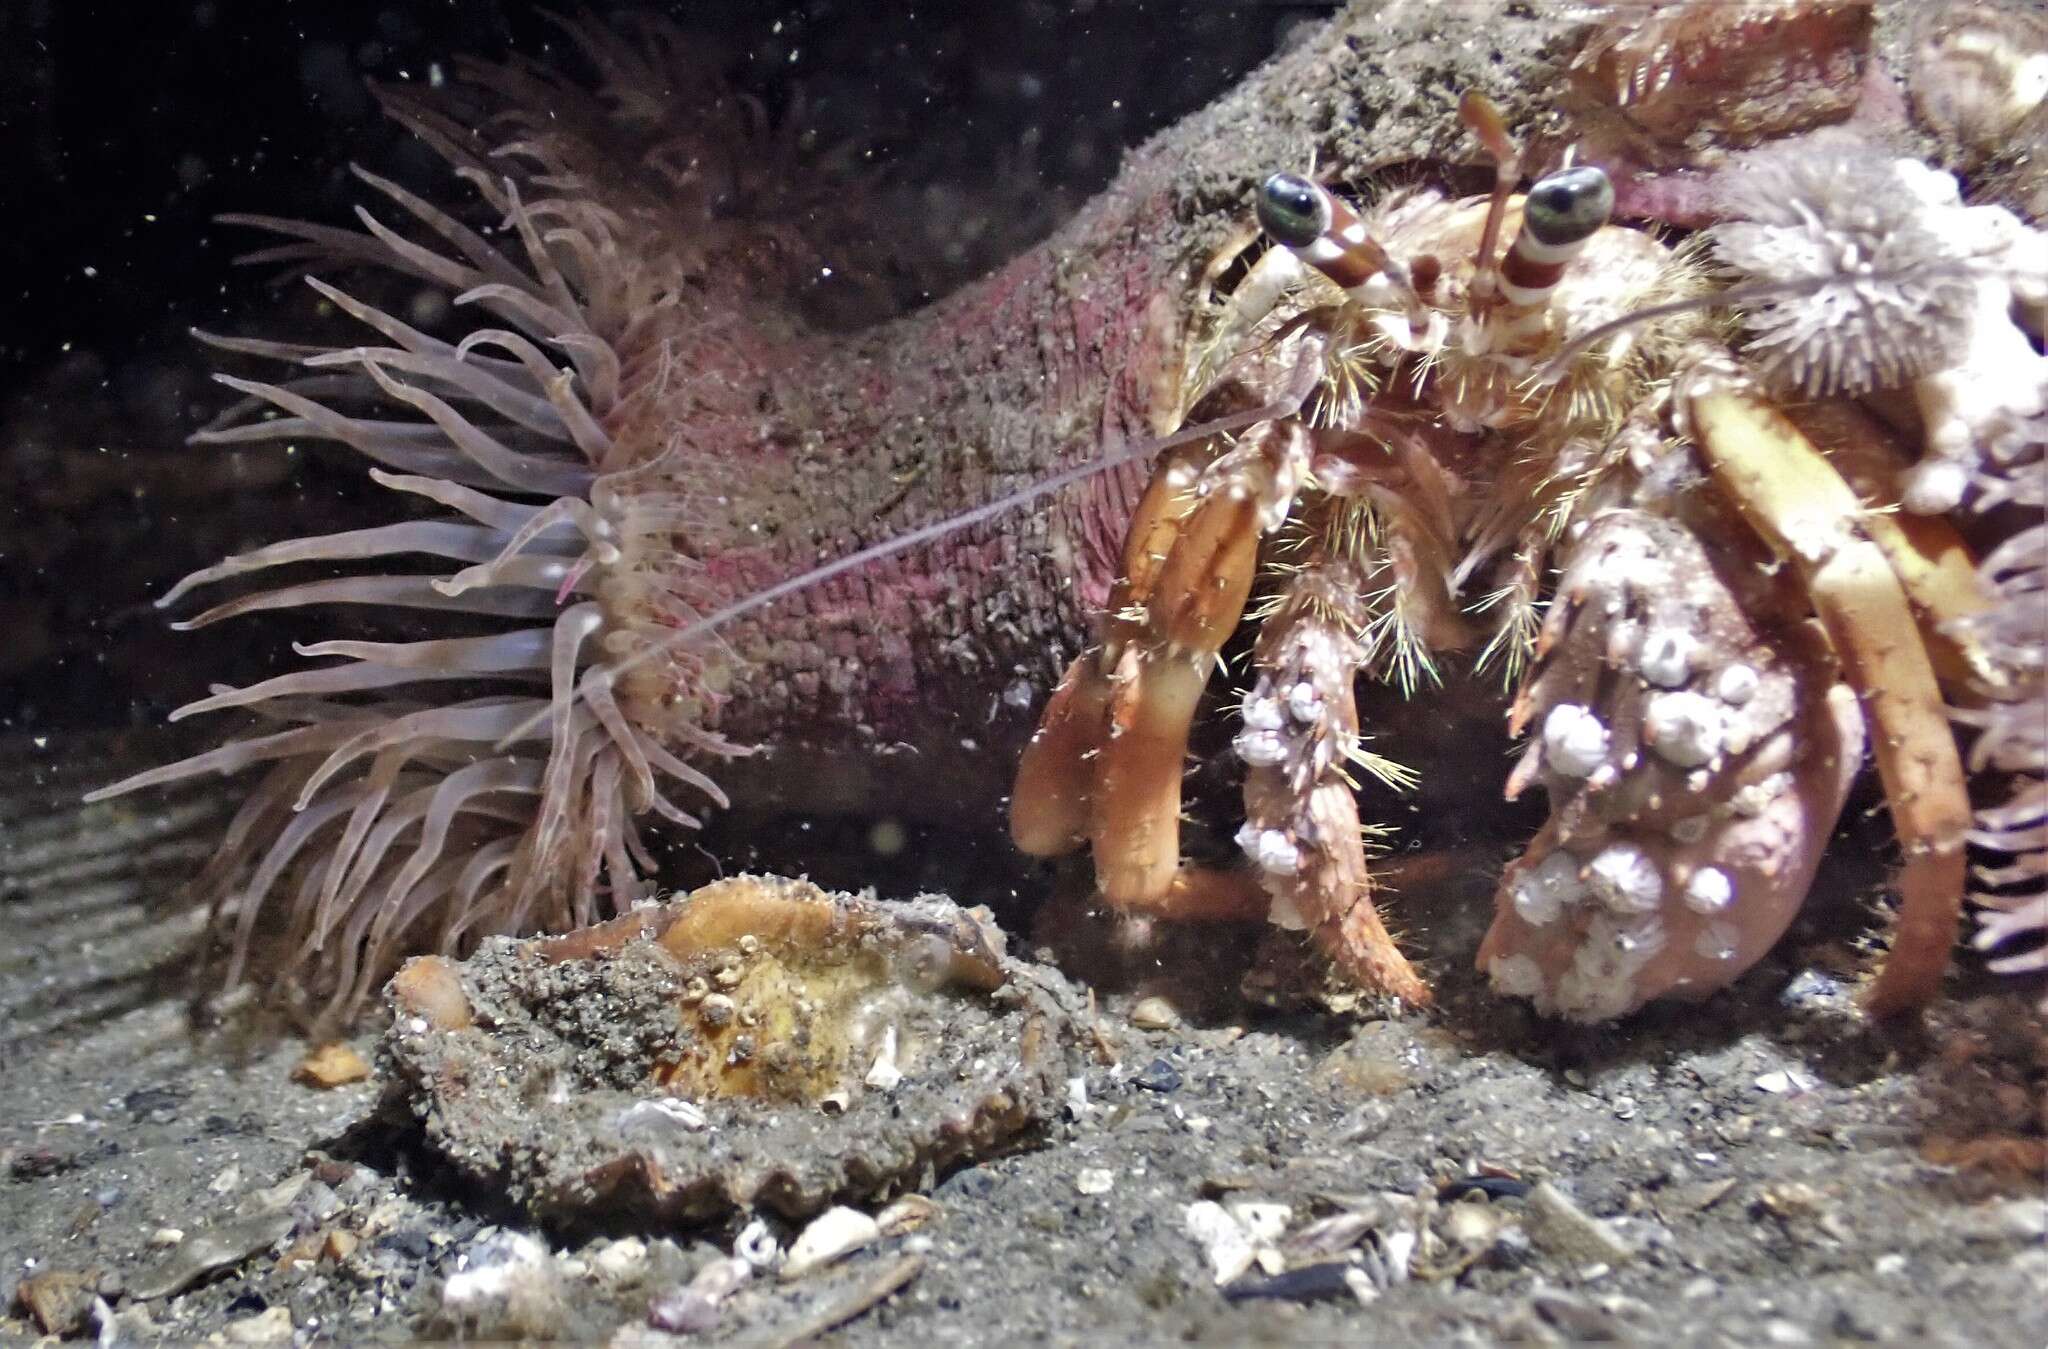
x: 758, y: 1042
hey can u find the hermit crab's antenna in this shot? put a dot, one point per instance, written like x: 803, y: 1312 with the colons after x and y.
x: 1302, y: 383
x: 1483, y: 119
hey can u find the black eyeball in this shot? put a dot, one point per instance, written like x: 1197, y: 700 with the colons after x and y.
x: 1569, y: 206
x: 1293, y: 210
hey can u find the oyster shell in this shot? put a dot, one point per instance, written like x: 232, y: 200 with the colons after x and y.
x: 758, y: 1042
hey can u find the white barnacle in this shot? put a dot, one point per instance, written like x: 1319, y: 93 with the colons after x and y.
x: 1601, y: 985
x: 1752, y: 800
x: 1574, y: 740
x: 1304, y: 703
x: 1540, y: 893
x: 1716, y: 941
x: 1684, y: 728
x: 1935, y: 486
x: 1271, y: 850
x: 1261, y: 749
x: 1709, y: 890
x: 1263, y: 714
x: 1515, y: 976
x: 1666, y: 658
x: 1625, y: 879
x: 1736, y: 685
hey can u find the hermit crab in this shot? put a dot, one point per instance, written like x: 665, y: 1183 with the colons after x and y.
x: 1738, y: 609
x: 667, y: 532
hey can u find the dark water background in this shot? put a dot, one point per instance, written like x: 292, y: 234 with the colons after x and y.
x: 126, y: 126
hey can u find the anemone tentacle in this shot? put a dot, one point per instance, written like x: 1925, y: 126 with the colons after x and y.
x: 389, y: 819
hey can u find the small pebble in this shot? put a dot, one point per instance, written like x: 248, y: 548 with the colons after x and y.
x: 506, y: 1286
x: 694, y: 1308
x: 1154, y: 1013
x: 265, y: 1328
x: 1471, y: 1227
x: 58, y: 1300
x: 1158, y: 1075
x: 907, y: 1214
x: 1095, y: 1180
x: 622, y: 1261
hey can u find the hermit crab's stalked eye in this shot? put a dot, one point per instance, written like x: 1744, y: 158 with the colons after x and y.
x: 1569, y: 206
x: 1293, y: 210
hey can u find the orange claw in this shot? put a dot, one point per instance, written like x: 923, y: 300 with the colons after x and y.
x: 1106, y: 763
x: 1050, y: 804
x: 1191, y: 603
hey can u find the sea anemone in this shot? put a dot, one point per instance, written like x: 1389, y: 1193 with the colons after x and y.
x: 2012, y: 728
x: 389, y: 820
x: 1872, y: 274
x: 1876, y: 304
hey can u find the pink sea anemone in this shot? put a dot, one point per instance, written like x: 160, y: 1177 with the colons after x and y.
x: 419, y: 794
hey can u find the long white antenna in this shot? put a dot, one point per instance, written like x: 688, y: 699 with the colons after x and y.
x: 1302, y: 383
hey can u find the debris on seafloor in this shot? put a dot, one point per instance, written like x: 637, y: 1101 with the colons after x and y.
x: 757, y: 1043
x: 832, y: 1234
x: 508, y: 1287
x: 1355, y: 1254
x: 334, y: 1064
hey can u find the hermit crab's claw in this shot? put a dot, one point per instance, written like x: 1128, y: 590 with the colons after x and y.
x: 1695, y: 758
x: 1796, y: 500
x: 1107, y: 761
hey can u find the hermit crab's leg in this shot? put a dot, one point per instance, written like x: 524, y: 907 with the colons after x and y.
x: 1108, y: 759
x: 1256, y: 296
x: 1300, y: 735
x: 1052, y: 805
x: 1186, y: 601
x: 1797, y: 501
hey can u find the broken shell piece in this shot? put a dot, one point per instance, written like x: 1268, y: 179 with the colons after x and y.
x: 1228, y: 1246
x: 907, y: 1214
x: 832, y: 1234
x: 586, y: 1081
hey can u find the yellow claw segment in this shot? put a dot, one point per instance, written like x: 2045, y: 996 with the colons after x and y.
x: 1790, y: 493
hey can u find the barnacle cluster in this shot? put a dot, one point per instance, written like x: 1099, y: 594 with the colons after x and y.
x: 757, y: 1042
